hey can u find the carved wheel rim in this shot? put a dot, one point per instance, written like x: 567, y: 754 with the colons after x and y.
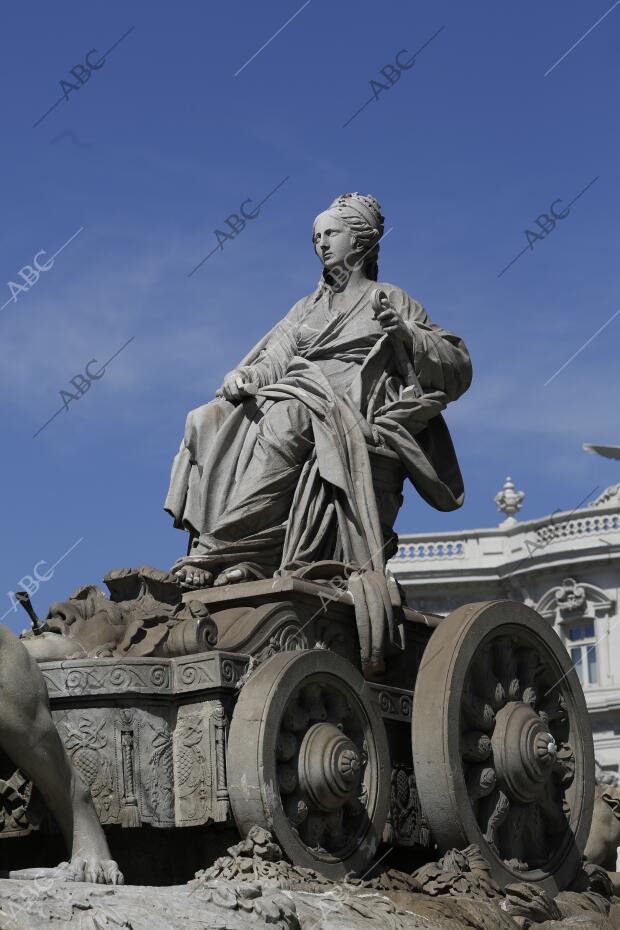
x: 517, y: 736
x: 321, y: 777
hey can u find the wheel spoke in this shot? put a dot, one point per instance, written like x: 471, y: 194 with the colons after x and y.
x: 481, y: 781
x: 287, y: 778
x: 513, y: 837
x: 338, y: 708
x: 535, y: 834
x: 498, y: 815
x: 335, y: 836
x: 552, y: 810
x: 484, y: 684
x: 312, y: 700
x: 287, y: 745
x: 564, y: 768
x: 554, y: 706
x: 479, y: 713
x: 296, y: 807
x: 530, y: 667
x: 506, y: 662
x: 476, y: 746
x: 296, y: 717
x: 313, y: 830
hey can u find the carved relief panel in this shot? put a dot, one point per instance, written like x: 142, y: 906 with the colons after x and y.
x: 124, y: 755
x: 200, y: 763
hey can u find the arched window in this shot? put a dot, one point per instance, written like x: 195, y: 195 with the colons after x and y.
x: 582, y: 614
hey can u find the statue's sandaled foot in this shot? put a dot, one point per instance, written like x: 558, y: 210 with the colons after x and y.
x: 96, y: 871
x: 192, y: 577
x: 234, y: 576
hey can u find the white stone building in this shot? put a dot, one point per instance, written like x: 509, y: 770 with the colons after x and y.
x: 566, y: 566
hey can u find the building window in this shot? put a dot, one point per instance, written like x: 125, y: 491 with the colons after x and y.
x: 581, y: 644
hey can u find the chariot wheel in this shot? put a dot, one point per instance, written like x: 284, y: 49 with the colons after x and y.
x: 308, y: 759
x: 502, y: 744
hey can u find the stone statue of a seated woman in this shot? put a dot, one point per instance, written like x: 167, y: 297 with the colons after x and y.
x: 274, y: 474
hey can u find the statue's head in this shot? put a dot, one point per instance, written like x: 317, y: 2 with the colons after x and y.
x: 347, y: 234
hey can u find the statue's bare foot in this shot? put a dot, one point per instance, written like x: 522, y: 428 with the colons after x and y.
x: 192, y: 577
x: 97, y: 871
x: 234, y: 576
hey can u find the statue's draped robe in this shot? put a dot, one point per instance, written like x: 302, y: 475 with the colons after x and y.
x: 283, y: 480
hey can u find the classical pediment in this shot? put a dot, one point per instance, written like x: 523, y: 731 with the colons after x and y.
x: 574, y: 599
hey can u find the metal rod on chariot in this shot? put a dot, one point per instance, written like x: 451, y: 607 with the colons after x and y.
x: 24, y: 599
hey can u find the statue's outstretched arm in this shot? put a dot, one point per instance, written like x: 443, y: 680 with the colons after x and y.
x: 440, y: 359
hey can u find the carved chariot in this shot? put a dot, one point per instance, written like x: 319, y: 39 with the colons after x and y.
x: 477, y: 733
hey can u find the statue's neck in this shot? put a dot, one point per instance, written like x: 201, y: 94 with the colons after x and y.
x: 339, y: 281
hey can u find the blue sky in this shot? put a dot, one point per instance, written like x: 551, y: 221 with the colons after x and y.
x: 169, y: 137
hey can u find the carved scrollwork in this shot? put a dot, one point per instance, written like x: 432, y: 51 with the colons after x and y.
x: 206, y: 672
x: 190, y: 674
x: 109, y: 678
x: 159, y: 676
x: 229, y: 672
x: 289, y: 638
x: 394, y: 703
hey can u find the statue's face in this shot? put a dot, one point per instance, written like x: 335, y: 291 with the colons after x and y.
x: 333, y: 241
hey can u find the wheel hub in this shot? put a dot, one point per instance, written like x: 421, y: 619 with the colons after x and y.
x: 330, y: 767
x: 523, y: 750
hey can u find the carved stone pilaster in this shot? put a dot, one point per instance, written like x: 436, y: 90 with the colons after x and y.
x: 129, y: 813
x: 220, y: 727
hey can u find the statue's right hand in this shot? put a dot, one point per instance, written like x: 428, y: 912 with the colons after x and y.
x: 233, y: 388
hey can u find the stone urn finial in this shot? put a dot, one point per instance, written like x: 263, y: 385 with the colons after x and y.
x: 509, y: 501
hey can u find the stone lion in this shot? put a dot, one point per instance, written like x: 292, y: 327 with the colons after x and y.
x: 604, y: 838
x: 30, y: 740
